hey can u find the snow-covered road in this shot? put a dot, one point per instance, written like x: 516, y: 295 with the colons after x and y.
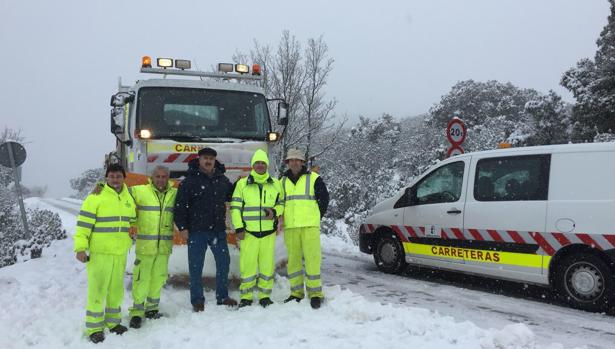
x: 487, y: 303
x: 43, y: 302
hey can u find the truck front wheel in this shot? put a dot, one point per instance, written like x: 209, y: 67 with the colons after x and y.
x: 584, y: 281
x: 389, y: 254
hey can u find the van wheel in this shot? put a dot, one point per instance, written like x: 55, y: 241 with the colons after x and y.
x: 389, y: 255
x: 584, y: 281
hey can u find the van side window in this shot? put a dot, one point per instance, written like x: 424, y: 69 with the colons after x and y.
x: 442, y: 185
x: 513, y: 178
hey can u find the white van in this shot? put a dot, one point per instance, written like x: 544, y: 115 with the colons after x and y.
x: 543, y: 215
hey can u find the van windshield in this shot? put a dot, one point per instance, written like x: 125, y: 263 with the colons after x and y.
x: 193, y: 113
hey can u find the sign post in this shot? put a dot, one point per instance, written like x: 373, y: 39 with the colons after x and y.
x: 456, y: 133
x: 13, y: 155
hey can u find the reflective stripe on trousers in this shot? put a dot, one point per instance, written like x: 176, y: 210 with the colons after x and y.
x: 303, y: 246
x: 256, y: 254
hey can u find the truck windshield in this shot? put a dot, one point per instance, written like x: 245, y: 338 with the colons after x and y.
x: 192, y: 113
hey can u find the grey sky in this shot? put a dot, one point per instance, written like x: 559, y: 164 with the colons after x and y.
x: 61, y: 59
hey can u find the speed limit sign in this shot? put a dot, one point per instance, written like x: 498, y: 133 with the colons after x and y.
x: 456, y: 131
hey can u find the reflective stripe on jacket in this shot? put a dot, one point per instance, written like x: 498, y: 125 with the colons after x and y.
x: 300, y: 206
x: 103, y: 222
x: 250, y: 202
x: 154, y: 218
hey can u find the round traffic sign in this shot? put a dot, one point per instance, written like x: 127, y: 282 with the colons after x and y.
x: 454, y: 150
x: 19, y: 154
x: 456, y: 131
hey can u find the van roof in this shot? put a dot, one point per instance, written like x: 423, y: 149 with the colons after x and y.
x: 559, y: 148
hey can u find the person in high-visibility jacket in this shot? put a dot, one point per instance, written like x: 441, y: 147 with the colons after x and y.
x: 155, y: 202
x: 305, y: 202
x: 103, y: 228
x: 255, y: 206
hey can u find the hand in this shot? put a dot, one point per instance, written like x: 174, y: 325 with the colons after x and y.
x: 183, y: 234
x: 241, y: 236
x: 270, y: 213
x: 82, y: 257
x: 132, y: 232
x: 97, y: 188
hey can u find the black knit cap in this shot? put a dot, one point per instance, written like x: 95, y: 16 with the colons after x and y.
x: 208, y: 151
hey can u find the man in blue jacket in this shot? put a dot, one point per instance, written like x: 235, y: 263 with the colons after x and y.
x: 200, y: 217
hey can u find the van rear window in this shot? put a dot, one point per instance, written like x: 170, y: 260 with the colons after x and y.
x: 512, y: 178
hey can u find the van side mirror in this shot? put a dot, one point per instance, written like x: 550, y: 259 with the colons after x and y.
x: 411, y: 196
x: 406, y: 199
x: 283, y: 113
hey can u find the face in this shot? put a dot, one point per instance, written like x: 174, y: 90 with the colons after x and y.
x: 260, y: 167
x: 207, y: 162
x: 160, y: 178
x: 115, y: 180
x: 294, y: 165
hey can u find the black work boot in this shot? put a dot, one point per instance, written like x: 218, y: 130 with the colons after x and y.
x: 293, y: 298
x: 135, y: 322
x: 153, y: 314
x: 315, y: 302
x: 119, y: 329
x: 265, y: 302
x: 229, y: 302
x: 245, y: 303
x: 198, y: 308
x: 97, y: 337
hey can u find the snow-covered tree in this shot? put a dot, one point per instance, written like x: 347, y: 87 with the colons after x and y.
x: 551, y: 120
x: 477, y: 102
x: 86, y: 181
x: 361, y: 169
x: 592, y: 83
x: 496, y: 112
x: 44, y: 225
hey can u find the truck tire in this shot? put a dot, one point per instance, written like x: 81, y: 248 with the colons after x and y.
x: 389, y: 254
x: 584, y: 281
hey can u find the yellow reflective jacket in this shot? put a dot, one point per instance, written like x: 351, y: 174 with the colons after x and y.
x: 249, y: 204
x: 300, y: 206
x: 154, y: 218
x: 103, y: 222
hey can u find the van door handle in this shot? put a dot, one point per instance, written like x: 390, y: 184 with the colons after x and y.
x: 454, y: 211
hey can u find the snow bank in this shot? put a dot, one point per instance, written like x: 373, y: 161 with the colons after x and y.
x: 43, y: 305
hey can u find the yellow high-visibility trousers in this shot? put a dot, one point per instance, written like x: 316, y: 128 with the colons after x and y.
x: 105, y: 291
x: 148, y: 276
x: 303, y: 246
x: 256, y: 265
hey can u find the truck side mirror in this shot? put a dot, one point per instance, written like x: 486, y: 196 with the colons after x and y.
x: 121, y: 98
x: 283, y: 113
x: 117, y: 120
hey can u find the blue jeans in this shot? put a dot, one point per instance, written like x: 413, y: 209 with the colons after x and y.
x: 197, y: 245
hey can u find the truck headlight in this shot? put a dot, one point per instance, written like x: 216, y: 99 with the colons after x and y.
x: 273, y: 136
x: 145, y: 134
